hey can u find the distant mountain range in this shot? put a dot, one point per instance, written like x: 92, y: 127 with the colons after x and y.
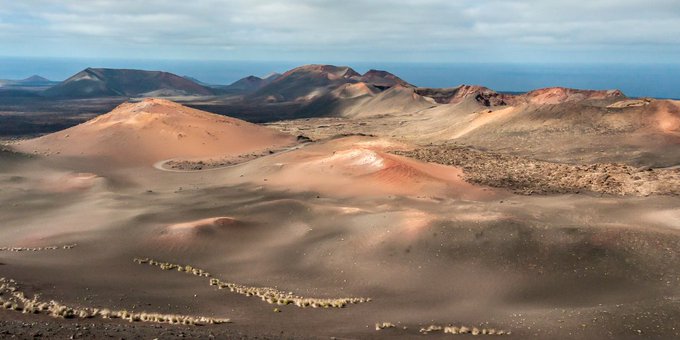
x: 472, y: 114
x: 312, y: 89
x: 299, y: 84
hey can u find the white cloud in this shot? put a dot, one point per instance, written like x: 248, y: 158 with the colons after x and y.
x: 246, y: 28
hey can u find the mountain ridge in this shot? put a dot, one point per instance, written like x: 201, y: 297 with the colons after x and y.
x: 108, y: 82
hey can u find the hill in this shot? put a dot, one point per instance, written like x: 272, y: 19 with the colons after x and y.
x: 35, y: 80
x: 383, y: 79
x: 32, y: 83
x: 309, y: 82
x: 248, y: 84
x: 455, y: 95
x: 306, y: 83
x: 103, y: 82
x: 154, y: 130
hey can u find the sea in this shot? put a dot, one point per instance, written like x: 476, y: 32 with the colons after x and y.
x: 635, y: 80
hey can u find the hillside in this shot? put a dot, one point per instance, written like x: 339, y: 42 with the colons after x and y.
x: 309, y: 82
x: 154, y: 130
x: 248, y: 84
x: 103, y: 82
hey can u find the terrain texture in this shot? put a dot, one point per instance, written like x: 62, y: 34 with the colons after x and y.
x: 365, y: 207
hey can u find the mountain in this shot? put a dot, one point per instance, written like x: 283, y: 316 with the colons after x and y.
x: 309, y: 82
x: 249, y: 84
x: 29, y: 83
x: 550, y: 121
x: 153, y: 130
x: 103, y: 82
x: 556, y: 123
x: 306, y: 82
x: 196, y: 81
x: 488, y: 97
x: 455, y: 95
x: 362, y: 100
x: 35, y: 80
x: 383, y: 79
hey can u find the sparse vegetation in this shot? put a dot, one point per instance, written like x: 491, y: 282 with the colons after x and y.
x: 269, y: 295
x: 12, y: 298
x: 169, y: 266
x: 527, y: 176
x: 462, y: 330
x: 18, y: 249
x: 384, y: 325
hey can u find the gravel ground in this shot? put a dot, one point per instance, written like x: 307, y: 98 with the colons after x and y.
x: 527, y: 176
x: 19, y: 326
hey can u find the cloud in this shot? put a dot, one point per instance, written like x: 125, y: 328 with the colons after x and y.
x: 328, y: 28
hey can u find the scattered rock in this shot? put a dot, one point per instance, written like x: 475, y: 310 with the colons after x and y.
x: 526, y: 176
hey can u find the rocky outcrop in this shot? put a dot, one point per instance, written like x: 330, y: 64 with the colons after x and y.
x: 455, y: 95
x: 558, y: 95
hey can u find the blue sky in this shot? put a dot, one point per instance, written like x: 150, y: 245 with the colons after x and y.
x: 343, y: 31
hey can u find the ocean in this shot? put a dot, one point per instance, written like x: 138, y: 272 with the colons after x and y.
x: 635, y: 80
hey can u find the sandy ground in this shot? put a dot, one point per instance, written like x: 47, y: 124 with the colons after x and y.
x: 338, y: 218
x: 569, y: 132
x: 552, y: 266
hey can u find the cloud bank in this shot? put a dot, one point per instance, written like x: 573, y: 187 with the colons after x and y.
x: 424, y: 30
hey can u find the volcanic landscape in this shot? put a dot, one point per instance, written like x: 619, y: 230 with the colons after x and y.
x: 324, y: 203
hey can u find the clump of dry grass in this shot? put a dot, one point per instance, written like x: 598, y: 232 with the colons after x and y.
x: 462, y: 330
x: 18, y: 249
x: 269, y: 295
x: 13, y: 299
x: 384, y: 325
x: 430, y: 329
x: 171, y: 266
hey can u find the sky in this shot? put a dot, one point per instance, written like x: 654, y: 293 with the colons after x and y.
x: 515, y: 31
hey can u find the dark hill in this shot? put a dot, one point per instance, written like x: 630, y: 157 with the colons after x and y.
x: 102, y: 82
x: 35, y: 80
x: 383, y: 79
x: 249, y: 84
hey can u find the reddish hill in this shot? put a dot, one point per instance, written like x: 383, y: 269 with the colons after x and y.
x: 306, y: 82
x: 310, y: 82
x: 154, y: 130
x: 359, y: 167
x: 557, y: 95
